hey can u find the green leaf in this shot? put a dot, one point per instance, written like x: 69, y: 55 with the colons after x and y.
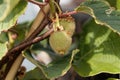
x: 99, y: 51
x: 6, y: 6
x: 56, y: 68
x: 3, y: 49
x: 13, y: 15
x: 35, y: 74
x: 118, y: 5
x: 103, y: 14
x: 21, y: 30
x: 3, y: 37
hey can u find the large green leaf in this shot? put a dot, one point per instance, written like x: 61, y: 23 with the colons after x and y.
x: 99, y: 51
x: 6, y: 7
x: 35, y: 74
x: 3, y: 49
x: 56, y: 68
x: 103, y: 14
x: 13, y: 15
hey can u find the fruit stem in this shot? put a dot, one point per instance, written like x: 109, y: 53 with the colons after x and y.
x: 59, y: 9
x: 57, y: 25
x: 57, y: 20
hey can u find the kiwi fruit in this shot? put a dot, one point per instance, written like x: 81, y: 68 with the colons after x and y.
x: 60, y: 42
x: 68, y: 25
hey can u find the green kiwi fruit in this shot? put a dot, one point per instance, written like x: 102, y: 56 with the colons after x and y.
x: 68, y: 24
x: 60, y: 42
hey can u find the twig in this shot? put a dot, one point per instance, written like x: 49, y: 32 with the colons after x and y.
x: 32, y: 36
x: 39, y: 29
x: 30, y: 42
x: 11, y: 56
x: 13, y: 53
x: 8, y: 57
x: 38, y: 25
x: 67, y: 14
x: 25, y: 45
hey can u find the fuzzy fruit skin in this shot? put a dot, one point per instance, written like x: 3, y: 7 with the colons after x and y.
x: 68, y: 25
x: 60, y: 42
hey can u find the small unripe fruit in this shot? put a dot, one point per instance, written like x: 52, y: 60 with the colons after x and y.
x: 68, y: 25
x: 60, y: 42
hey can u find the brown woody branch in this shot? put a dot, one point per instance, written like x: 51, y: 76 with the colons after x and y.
x: 15, y: 52
x: 30, y: 42
x: 32, y: 36
x: 39, y: 29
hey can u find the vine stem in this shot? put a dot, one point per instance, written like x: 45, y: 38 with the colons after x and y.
x: 34, y: 29
x: 30, y: 42
x: 39, y: 19
x: 12, y: 73
x: 14, y: 68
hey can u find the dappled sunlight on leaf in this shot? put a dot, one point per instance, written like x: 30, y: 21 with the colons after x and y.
x: 101, y: 54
